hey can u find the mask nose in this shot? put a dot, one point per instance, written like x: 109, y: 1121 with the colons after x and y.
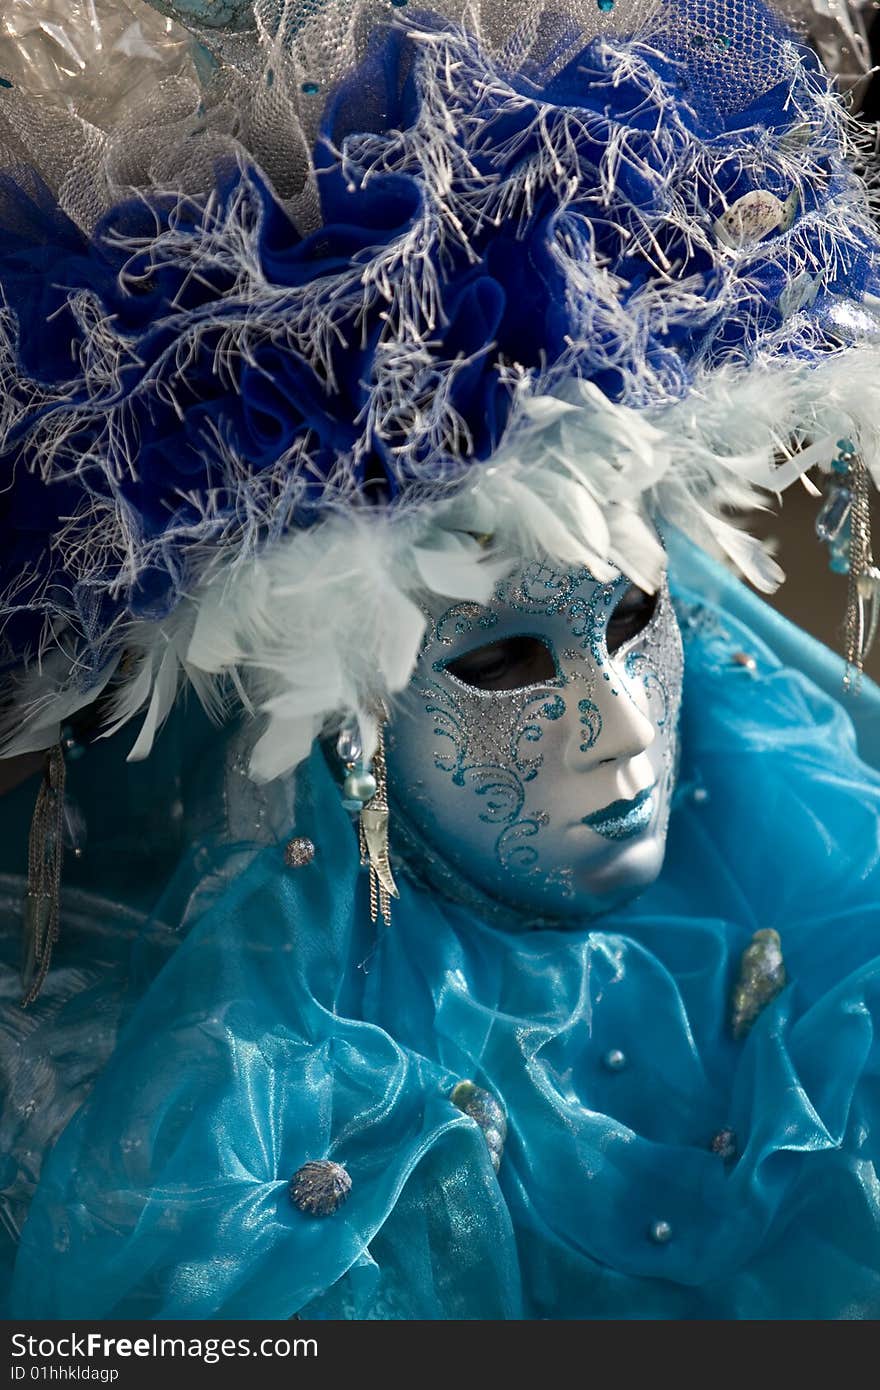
x: 609, y: 726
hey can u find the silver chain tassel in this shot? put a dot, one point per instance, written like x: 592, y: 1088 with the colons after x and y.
x: 42, y: 905
x: 373, y: 836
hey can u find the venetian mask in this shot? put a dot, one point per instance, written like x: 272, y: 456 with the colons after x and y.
x: 533, y: 753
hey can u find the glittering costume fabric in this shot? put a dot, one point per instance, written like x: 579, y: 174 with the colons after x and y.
x: 280, y: 1029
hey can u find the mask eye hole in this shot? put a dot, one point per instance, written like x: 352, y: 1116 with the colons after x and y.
x: 631, y: 616
x: 509, y: 664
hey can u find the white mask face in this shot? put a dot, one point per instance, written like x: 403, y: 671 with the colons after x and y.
x: 534, y: 750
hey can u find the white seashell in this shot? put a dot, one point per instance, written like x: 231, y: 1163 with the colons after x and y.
x: 799, y: 294
x: 749, y: 219
x: 798, y: 138
x: 790, y: 210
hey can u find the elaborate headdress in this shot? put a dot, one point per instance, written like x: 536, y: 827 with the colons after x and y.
x: 340, y: 303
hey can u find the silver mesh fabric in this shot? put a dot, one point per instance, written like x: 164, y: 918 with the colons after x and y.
x: 110, y: 94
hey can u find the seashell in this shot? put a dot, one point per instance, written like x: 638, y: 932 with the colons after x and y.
x: 488, y: 1113
x: 749, y: 219
x: 790, y: 210
x: 800, y: 294
x: 319, y: 1188
x: 761, y: 977
x: 795, y: 140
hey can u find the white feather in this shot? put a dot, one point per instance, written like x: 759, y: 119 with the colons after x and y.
x: 161, y: 701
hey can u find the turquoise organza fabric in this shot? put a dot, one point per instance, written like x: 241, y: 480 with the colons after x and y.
x: 276, y: 1025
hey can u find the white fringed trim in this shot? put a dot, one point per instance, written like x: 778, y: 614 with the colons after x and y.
x: 329, y: 621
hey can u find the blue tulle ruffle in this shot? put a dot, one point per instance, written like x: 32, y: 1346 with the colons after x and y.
x: 285, y: 1029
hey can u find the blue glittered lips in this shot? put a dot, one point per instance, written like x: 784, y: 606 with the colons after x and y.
x: 623, y: 819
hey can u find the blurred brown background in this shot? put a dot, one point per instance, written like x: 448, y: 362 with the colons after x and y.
x: 846, y: 34
x: 811, y: 596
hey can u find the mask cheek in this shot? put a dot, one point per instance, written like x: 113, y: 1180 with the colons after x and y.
x: 639, y: 681
x: 653, y: 670
x: 431, y: 780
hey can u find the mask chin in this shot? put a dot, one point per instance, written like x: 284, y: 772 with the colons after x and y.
x: 532, y: 758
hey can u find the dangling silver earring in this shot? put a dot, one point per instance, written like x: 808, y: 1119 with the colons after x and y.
x: 844, y: 523
x: 365, y: 791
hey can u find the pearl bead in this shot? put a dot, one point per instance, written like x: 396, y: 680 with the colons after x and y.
x: 746, y: 660
x: 71, y: 748
x: 701, y: 796
x: 359, y: 786
x: 660, y: 1232
x: 614, y: 1059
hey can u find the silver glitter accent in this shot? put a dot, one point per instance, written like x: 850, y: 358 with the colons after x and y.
x: 724, y: 1144
x: 319, y: 1188
x: 482, y: 1107
x: 614, y: 1059
x: 298, y: 852
x: 761, y: 977
x: 460, y: 619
